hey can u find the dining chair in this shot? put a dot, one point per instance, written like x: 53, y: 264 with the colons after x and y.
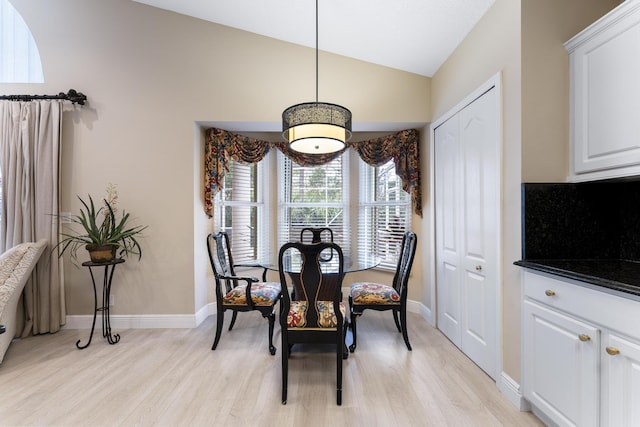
x: 376, y: 296
x: 317, y: 234
x: 310, y: 319
x: 239, y: 293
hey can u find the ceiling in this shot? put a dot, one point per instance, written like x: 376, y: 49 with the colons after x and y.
x: 410, y: 35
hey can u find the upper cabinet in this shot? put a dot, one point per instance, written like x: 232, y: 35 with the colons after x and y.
x: 605, y: 96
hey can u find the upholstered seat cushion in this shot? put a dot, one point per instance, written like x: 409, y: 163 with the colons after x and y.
x: 297, y: 317
x: 366, y: 293
x: 262, y: 294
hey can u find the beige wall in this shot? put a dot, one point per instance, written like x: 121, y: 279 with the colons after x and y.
x: 524, y: 41
x: 150, y: 76
x: 546, y: 25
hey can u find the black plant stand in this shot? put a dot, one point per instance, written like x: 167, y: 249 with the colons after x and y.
x: 109, y: 268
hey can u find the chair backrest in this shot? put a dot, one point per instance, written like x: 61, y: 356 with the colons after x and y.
x: 221, y: 260
x: 405, y: 262
x: 314, y: 283
x: 320, y: 234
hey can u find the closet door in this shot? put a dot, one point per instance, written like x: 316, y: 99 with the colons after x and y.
x: 467, y: 236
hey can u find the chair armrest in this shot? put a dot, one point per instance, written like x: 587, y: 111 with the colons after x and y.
x: 247, y: 279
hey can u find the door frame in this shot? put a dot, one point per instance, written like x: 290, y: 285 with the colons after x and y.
x: 494, y: 82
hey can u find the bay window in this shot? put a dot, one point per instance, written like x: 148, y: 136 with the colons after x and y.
x: 384, y: 212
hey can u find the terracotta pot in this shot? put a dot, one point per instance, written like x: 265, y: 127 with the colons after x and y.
x: 102, y: 253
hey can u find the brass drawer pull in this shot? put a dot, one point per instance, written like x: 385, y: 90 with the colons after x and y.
x: 613, y: 351
x: 549, y: 293
x: 584, y: 337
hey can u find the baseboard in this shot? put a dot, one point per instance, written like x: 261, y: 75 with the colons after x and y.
x: 168, y: 321
x: 511, y: 389
x: 144, y: 321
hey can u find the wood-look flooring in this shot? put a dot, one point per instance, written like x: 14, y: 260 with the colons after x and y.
x: 170, y: 377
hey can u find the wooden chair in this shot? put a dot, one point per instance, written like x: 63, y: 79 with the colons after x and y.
x: 320, y: 234
x: 309, y: 319
x: 375, y: 296
x: 239, y: 293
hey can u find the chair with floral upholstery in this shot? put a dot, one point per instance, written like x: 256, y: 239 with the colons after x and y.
x: 309, y: 319
x: 376, y: 296
x: 239, y: 293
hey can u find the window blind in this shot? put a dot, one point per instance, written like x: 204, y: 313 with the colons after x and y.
x: 240, y: 210
x: 384, y: 212
x: 314, y: 197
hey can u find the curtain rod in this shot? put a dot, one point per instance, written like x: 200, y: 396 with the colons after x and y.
x: 72, y: 95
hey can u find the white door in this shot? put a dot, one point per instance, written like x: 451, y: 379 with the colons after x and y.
x: 467, y: 174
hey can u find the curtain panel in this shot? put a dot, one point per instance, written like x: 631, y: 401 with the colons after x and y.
x: 222, y: 145
x: 29, y: 159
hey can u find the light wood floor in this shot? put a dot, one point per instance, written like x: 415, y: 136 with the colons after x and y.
x: 170, y: 377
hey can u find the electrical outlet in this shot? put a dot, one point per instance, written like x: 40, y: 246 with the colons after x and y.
x: 112, y: 300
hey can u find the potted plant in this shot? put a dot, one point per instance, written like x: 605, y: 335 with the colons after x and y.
x: 103, y: 233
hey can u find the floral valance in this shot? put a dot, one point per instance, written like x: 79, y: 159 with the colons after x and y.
x: 221, y: 146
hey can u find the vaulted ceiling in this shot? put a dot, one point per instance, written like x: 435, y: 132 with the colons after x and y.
x: 410, y: 35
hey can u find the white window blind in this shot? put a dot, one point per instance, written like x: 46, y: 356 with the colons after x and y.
x: 19, y: 57
x: 240, y: 210
x: 384, y: 212
x: 314, y: 197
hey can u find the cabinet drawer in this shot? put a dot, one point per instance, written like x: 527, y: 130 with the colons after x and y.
x: 581, y: 300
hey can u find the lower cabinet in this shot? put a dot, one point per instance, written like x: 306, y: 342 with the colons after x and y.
x: 581, y: 353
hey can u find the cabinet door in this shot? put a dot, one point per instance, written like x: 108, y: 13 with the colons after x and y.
x: 561, y: 366
x: 605, y: 94
x: 620, y: 382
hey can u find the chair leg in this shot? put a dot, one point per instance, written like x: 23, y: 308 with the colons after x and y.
x: 403, y: 321
x: 271, y: 318
x: 233, y: 320
x: 395, y: 319
x: 339, y: 354
x: 219, y: 322
x: 285, y: 367
x: 354, y: 332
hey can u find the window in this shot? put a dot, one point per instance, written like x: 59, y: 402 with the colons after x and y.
x: 384, y: 212
x: 19, y: 57
x: 240, y: 211
x: 314, y: 197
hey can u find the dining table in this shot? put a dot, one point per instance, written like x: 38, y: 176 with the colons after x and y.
x: 354, y: 261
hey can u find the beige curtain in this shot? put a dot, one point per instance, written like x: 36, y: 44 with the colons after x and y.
x: 29, y: 161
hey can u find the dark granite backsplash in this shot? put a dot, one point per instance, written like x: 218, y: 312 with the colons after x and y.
x: 588, y: 220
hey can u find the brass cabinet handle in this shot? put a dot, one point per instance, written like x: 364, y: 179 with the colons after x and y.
x: 478, y: 268
x: 613, y: 351
x: 549, y: 293
x: 584, y: 337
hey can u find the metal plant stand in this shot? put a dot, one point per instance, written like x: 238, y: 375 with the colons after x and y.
x: 109, y: 268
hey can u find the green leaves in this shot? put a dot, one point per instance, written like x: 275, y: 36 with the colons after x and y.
x: 102, y: 227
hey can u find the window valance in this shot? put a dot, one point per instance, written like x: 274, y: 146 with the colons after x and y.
x: 222, y: 146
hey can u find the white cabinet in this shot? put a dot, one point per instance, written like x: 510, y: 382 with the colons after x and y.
x: 581, y: 353
x: 621, y: 381
x: 605, y: 96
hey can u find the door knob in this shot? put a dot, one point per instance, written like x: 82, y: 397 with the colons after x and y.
x: 584, y: 337
x: 478, y: 268
x: 549, y: 293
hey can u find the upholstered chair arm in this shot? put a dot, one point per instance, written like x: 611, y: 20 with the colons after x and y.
x: 236, y: 279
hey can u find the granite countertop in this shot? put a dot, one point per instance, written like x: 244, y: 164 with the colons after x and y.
x: 619, y: 275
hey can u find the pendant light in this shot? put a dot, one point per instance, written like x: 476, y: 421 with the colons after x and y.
x: 316, y: 127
